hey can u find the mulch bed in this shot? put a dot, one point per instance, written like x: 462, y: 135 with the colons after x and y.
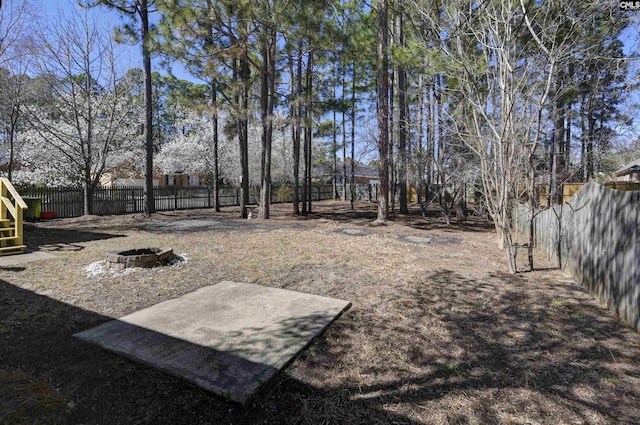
x: 438, y: 332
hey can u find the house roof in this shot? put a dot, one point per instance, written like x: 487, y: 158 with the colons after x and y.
x: 632, y: 167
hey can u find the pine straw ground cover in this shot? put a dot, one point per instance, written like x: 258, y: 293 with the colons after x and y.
x: 438, y: 333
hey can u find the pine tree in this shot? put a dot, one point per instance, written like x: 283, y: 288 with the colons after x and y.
x: 138, y: 28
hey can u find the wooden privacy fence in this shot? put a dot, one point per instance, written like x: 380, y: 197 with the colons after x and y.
x: 595, y: 238
x: 68, y: 202
x: 570, y: 189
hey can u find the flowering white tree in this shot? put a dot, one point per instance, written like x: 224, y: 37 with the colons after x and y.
x: 192, y: 147
x: 70, y: 148
x: 93, y: 120
x: 16, y: 20
x: 191, y: 150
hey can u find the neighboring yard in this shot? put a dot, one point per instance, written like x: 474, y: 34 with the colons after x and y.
x: 438, y: 333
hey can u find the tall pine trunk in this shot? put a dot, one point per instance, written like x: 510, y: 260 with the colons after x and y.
x: 242, y: 74
x: 344, y: 146
x: 421, y: 154
x: 403, y: 117
x: 392, y: 132
x: 383, y: 111
x: 216, y: 165
x: 149, y: 202
x: 296, y: 83
x: 334, y: 147
x: 402, y: 139
x: 308, y: 139
x: 354, y: 109
x: 267, y: 101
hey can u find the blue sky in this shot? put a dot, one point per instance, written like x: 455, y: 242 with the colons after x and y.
x: 630, y: 36
x: 131, y: 56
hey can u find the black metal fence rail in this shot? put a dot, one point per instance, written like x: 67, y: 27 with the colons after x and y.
x: 68, y: 202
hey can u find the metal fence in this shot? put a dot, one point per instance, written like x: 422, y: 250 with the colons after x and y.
x: 595, y: 237
x: 68, y: 202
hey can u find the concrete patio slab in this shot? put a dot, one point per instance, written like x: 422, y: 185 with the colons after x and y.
x: 28, y: 257
x: 228, y: 338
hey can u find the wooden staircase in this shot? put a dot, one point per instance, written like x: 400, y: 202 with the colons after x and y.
x: 12, y: 208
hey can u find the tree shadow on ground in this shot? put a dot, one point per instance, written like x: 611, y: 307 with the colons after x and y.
x: 47, y: 376
x: 59, y: 239
x: 501, y: 351
x: 343, y: 215
x: 365, y: 212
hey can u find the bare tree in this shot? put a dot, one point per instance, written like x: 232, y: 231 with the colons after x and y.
x: 16, y: 41
x: 16, y: 19
x: 92, y: 118
x: 502, y: 109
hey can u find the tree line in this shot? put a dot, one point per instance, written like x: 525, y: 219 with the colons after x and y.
x: 493, y: 97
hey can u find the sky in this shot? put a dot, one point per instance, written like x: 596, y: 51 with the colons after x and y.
x: 131, y: 56
x: 630, y: 36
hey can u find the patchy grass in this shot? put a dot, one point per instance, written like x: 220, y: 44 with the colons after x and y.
x: 438, y: 333
x: 28, y: 400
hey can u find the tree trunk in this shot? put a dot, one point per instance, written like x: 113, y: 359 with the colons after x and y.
x: 550, y: 181
x: 334, y: 148
x: 583, y: 140
x: 352, y: 180
x: 295, y: 128
x: 431, y: 136
x: 403, y: 116
x: 216, y: 165
x: 87, y: 148
x: 568, y: 113
x: 392, y: 132
x: 267, y: 100
x: 558, y: 144
x: 305, y: 154
x: 438, y: 131
x: 420, y: 165
x: 86, y: 201
x: 309, y: 129
x: 265, y: 187
x: 12, y: 132
x: 510, y: 249
x: 242, y: 122
x: 149, y: 202
x: 383, y: 112
x: 533, y: 203
x: 591, y: 122
x: 402, y: 140
x: 344, y: 146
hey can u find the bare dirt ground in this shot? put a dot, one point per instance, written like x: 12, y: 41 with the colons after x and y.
x: 438, y: 332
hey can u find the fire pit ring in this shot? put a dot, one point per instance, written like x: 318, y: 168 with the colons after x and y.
x: 139, y: 257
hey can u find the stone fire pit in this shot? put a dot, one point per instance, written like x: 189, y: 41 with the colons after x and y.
x: 138, y: 257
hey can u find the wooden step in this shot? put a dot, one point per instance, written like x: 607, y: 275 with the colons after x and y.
x: 7, y: 229
x: 10, y: 250
x: 8, y: 241
x: 5, y: 222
